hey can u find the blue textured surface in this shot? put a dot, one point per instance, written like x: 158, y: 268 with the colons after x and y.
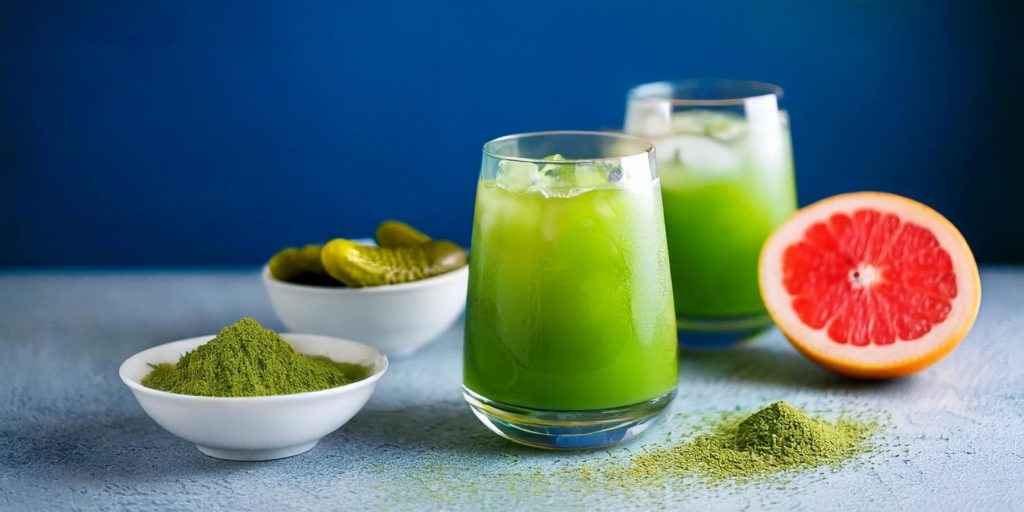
x: 215, y: 132
x: 72, y: 437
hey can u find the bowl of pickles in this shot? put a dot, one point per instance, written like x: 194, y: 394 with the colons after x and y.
x: 397, y: 292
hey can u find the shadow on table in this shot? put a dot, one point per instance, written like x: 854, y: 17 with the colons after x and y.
x: 439, y: 426
x: 775, y: 364
x: 115, y: 450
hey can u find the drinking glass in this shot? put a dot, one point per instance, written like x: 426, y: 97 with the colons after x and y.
x: 570, y: 331
x: 726, y: 165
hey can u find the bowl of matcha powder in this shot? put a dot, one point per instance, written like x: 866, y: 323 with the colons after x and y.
x: 249, y: 393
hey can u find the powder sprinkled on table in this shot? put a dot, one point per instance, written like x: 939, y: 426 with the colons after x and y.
x: 774, y: 447
x: 776, y: 439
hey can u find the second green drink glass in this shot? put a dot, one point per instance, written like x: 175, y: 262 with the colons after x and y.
x: 727, y: 182
x: 570, y: 325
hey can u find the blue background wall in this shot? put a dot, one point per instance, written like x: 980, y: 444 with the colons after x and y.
x: 193, y: 132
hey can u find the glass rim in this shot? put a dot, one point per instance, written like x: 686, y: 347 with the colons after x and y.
x: 757, y: 89
x: 648, y: 147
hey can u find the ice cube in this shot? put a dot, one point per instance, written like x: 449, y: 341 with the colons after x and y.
x: 690, y: 122
x: 556, y: 170
x: 720, y: 125
x: 725, y: 127
x: 539, y: 189
x: 699, y: 153
x: 615, y: 174
x: 515, y: 175
x: 556, y: 178
x: 591, y: 174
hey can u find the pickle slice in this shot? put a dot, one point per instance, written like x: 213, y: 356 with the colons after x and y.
x: 301, y: 265
x: 359, y: 265
x: 392, y: 233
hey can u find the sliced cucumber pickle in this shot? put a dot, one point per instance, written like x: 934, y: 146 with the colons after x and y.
x: 392, y: 233
x: 359, y: 265
x: 301, y: 265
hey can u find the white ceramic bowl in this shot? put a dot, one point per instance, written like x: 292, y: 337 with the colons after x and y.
x: 256, y: 428
x: 397, y: 318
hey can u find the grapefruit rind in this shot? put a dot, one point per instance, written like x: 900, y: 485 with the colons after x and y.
x: 872, y: 361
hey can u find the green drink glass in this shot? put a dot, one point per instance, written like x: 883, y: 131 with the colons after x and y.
x: 726, y: 166
x: 570, y: 331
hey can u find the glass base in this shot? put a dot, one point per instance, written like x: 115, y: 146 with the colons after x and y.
x: 720, y: 332
x: 567, y: 430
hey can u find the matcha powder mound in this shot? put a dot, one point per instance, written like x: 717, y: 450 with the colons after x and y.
x: 776, y: 439
x: 247, y: 359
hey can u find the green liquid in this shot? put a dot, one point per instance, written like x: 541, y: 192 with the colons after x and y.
x: 717, y: 220
x: 569, y: 301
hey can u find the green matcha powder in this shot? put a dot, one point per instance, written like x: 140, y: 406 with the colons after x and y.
x: 247, y: 359
x: 778, y: 438
x: 772, y: 446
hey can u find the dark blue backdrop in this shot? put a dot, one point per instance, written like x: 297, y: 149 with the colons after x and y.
x: 194, y: 132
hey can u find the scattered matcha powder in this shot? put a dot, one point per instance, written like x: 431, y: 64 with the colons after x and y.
x: 247, y: 359
x: 778, y: 438
x: 767, y: 449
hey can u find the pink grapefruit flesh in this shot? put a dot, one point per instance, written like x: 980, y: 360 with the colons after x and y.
x: 870, y: 285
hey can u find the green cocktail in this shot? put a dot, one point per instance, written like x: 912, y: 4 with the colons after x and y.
x: 569, y: 319
x: 570, y: 303
x: 727, y: 181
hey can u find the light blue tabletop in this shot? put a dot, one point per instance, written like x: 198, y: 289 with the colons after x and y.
x: 73, y: 437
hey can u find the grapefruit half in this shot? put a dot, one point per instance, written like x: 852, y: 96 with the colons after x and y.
x: 870, y: 285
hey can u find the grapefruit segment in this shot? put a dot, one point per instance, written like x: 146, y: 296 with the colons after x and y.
x: 870, y: 285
